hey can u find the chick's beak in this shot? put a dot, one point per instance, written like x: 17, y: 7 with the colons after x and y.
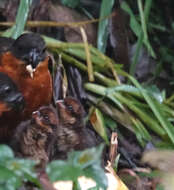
x: 60, y: 103
x: 35, y: 114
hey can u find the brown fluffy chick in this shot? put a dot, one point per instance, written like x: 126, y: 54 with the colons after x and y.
x: 34, y: 137
x: 72, y: 133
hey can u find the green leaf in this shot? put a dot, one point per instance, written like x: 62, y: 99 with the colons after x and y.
x: 5, y: 173
x: 155, y: 92
x: 21, y: 19
x: 98, y: 174
x: 62, y: 170
x: 106, y: 8
x: 141, y: 133
x: 158, y: 112
x: 110, y: 123
x: 151, y: 90
x: 135, y: 26
x: 8, y: 179
x: 79, y: 163
x: 5, y: 152
x: 14, y: 171
x: 87, y: 157
x: 98, y: 123
x: 22, y: 167
x: 144, y: 116
x: 144, y: 18
x: 137, y: 29
x: 71, y: 3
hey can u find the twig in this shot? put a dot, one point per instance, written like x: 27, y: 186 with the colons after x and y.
x: 57, y: 24
x: 113, y: 148
x: 88, y: 55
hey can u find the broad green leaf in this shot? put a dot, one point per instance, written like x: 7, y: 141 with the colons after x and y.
x: 98, y: 174
x: 79, y: 163
x: 62, y: 170
x: 86, y: 158
x: 22, y: 167
x: 5, y: 173
x: 105, y: 10
x: 14, y: 171
x: 5, y: 152
x: 8, y: 179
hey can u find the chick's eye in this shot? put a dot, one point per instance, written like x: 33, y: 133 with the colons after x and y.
x: 46, y: 117
x: 70, y: 108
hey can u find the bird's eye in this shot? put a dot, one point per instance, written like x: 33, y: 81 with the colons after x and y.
x: 37, y: 136
x: 7, y: 89
x: 70, y: 108
x: 46, y: 117
x: 44, y: 50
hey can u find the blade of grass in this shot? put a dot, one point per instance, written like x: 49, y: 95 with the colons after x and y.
x: 69, y: 59
x: 158, y: 112
x: 144, y: 18
x: 129, y: 89
x: 100, y: 61
x: 21, y: 19
x: 105, y: 10
x: 119, y: 98
x: 140, y: 132
x: 88, y: 55
x: 111, y: 111
x: 136, y: 55
x: 136, y: 28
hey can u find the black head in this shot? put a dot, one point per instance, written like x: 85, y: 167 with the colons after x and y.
x: 70, y: 110
x: 45, y: 118
x: 6, y: 44
x: 9, y: 93
x: 29, y: 47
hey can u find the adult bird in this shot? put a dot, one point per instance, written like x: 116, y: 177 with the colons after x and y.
x: 11, y: 100
x: 26, y: 63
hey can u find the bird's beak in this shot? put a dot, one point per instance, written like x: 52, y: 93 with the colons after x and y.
x: 30, y: 69
x: 60, y: 104
x: 35, y: 114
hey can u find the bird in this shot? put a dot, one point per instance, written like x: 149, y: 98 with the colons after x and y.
x: 34, y: 138
x: 11, y: 100
x: 72, y: 134
x: 6, y: 44
x: 10, y: 97
x: 27, y: 64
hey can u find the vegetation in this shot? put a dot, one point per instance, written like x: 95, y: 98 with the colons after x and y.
x: 141, y: 107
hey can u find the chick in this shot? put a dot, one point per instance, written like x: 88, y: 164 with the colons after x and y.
x: 34, y: 138
x: 72, y: 134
